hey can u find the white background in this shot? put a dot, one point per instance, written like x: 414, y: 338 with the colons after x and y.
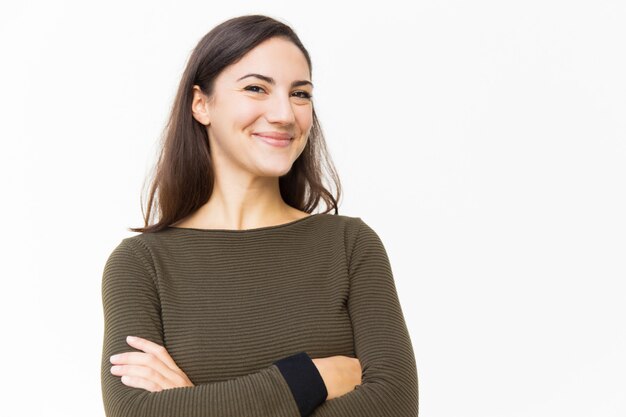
x: 484, y: 141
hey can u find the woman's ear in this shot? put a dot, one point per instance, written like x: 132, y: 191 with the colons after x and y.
x: 200, y: 106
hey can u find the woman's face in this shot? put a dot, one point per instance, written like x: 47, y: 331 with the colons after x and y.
x: 275, y: 102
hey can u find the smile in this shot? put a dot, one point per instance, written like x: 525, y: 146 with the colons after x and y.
x: 273, y: 141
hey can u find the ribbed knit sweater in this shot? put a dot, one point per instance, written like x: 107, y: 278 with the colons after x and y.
x: 242, y: 312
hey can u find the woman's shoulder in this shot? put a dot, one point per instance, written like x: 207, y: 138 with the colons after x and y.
x: 353, y: 228
x: 353, y: 222
x: 349, y: 223
x: 130, y: 249
x: 327, y: 219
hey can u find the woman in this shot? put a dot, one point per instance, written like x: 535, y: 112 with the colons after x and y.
x: 241, y: 301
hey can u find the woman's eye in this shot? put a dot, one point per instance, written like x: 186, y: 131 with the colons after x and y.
x: 250, y: 88
x: 304, y: 94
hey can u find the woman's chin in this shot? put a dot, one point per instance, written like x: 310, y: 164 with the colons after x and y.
x: 274, y: 171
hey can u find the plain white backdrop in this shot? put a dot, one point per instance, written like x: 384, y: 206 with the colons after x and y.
x: 484, y: 141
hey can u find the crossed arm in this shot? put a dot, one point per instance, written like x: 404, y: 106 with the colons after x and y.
x: 381, y: 339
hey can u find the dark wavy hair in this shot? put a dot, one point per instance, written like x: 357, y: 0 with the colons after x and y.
x: 184, y: 170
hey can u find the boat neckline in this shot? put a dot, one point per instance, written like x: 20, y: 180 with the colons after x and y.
x: 244, y: 231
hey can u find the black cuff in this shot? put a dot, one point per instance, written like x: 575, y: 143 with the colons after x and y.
x: 304, y: 380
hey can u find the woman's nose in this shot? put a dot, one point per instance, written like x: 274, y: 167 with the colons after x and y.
x: 280, y: 110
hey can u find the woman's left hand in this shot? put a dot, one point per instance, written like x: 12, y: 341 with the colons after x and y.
x: 153, y: 369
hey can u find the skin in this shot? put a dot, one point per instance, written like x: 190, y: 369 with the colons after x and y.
x: 246, y: 191
x: 153, y: 369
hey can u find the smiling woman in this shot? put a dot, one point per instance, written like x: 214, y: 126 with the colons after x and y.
x: 273, y: 110
x: 239, y: 300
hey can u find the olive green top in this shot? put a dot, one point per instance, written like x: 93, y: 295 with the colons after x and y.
x: 227, y: 304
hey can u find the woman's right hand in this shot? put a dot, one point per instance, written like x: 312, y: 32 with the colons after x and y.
x: 340, y: 374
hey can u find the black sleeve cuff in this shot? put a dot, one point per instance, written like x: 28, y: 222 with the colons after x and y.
x: 304, y: 380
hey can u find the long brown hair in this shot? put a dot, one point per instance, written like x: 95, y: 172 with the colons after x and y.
x: 184, y: 169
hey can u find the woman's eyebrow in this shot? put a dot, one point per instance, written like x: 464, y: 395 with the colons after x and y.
x: 271, y: 80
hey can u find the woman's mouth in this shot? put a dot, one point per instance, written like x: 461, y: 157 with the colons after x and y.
x: 280, y: 140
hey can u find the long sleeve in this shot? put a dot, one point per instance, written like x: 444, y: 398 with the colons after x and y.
x: 389, y: 386
x: 131, y: 306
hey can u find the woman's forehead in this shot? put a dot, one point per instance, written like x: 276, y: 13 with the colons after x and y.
x: 277, y: 60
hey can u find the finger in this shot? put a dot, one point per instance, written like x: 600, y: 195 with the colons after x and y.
x: 149, y: 361
x: 153, y: 348
x: 137, y: 382
x: 144, y: 372
x: 134, y: 358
